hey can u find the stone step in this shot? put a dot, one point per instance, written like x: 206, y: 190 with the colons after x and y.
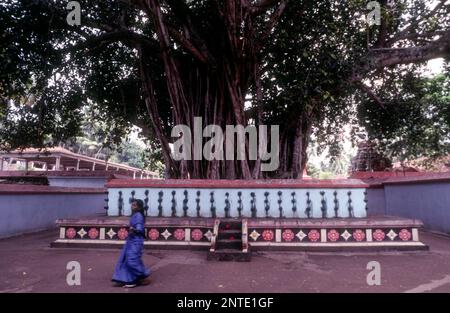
x: 229, y: 225
x: 230, y: 234
x: 229, y: 243
x: 231, y: 231
x: 229, y: 255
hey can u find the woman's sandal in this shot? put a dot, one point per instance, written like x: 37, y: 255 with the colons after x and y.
x: 129, y: 286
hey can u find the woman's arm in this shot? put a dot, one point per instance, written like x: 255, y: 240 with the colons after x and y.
x: 137, y: 225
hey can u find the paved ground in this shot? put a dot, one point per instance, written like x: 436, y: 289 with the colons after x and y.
x: 27, y: 264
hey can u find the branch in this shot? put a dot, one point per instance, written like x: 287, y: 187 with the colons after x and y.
x: 435, y: 49
x: 125, y: 36
x: 181, y: 10
x: 370, y: 93
x: 264, y: 3
x: 277, y: 14
x: 191, y: 40
x: 185, y: 43
x: 413, y: 36
x: 416, y: 22
x: 380, y: 58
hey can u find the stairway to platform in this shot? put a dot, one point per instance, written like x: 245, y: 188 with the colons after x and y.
x: 229, y: 242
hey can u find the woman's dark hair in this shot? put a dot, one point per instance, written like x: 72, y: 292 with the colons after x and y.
x: 140, y: 205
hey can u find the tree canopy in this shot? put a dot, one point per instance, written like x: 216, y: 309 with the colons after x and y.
x: 302, y: 64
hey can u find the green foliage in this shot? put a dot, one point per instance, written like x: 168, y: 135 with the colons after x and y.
x: 415, y: 120
x: 312, y: 170
x: 51, y: 72
x: 45, y: 84
x: 96, y: 140
x: 326, y: 175
x: 308, y: 58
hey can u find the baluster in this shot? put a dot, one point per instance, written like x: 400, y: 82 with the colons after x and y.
x: 227, y: 205
x: 120, y: 203
x: 336, y: 204
x: 160, y: 196
x: 366, y: 200
x: 106, y: 207
x: 146, y: 202
x: 198, y: 203
x: 349, y: 203
x: 266, y: 204
x: 130, y: 200
x: 323, y: 207
x: 253, y: 204
x: 240, y: 207
x: 185, y: 201
x: 174, y: 204
x: 213, y: 208
x: 294, y: 203
x: 280, y: 208
x: 308, y: 210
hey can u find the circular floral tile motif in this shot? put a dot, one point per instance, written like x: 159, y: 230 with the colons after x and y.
x: 267, y: 235
x: 288, y: 235
x: 359, y: 235
x: 378, y: 235
x: 333, y: 235
x: 179, y: 234
x: 122, y: 233
x: 405, y: 235
x: 93, y: 233
x: 197, y: 234
x: 71, y: 233
x: 313, y: 235
x: 153, y: 234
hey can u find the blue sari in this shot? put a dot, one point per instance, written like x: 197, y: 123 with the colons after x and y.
x: 130, y: 269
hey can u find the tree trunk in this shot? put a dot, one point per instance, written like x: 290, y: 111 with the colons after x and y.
x: 212, y: 87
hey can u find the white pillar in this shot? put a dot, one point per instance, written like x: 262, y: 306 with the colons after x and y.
x: 58, y: 163
x: 134, y: 175
x: 1, y: 163
x: 93, y: 166
x: 78, y: 165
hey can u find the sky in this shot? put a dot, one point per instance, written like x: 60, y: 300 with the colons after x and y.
x: 435, y: 66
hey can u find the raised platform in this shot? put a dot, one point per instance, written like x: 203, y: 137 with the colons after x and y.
x: 315, y: 234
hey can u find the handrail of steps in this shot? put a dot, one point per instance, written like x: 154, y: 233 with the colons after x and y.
x: 244, y: 236
x: 214, y: 236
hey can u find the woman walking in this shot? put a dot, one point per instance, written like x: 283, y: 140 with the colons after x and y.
x: 130, y: 270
